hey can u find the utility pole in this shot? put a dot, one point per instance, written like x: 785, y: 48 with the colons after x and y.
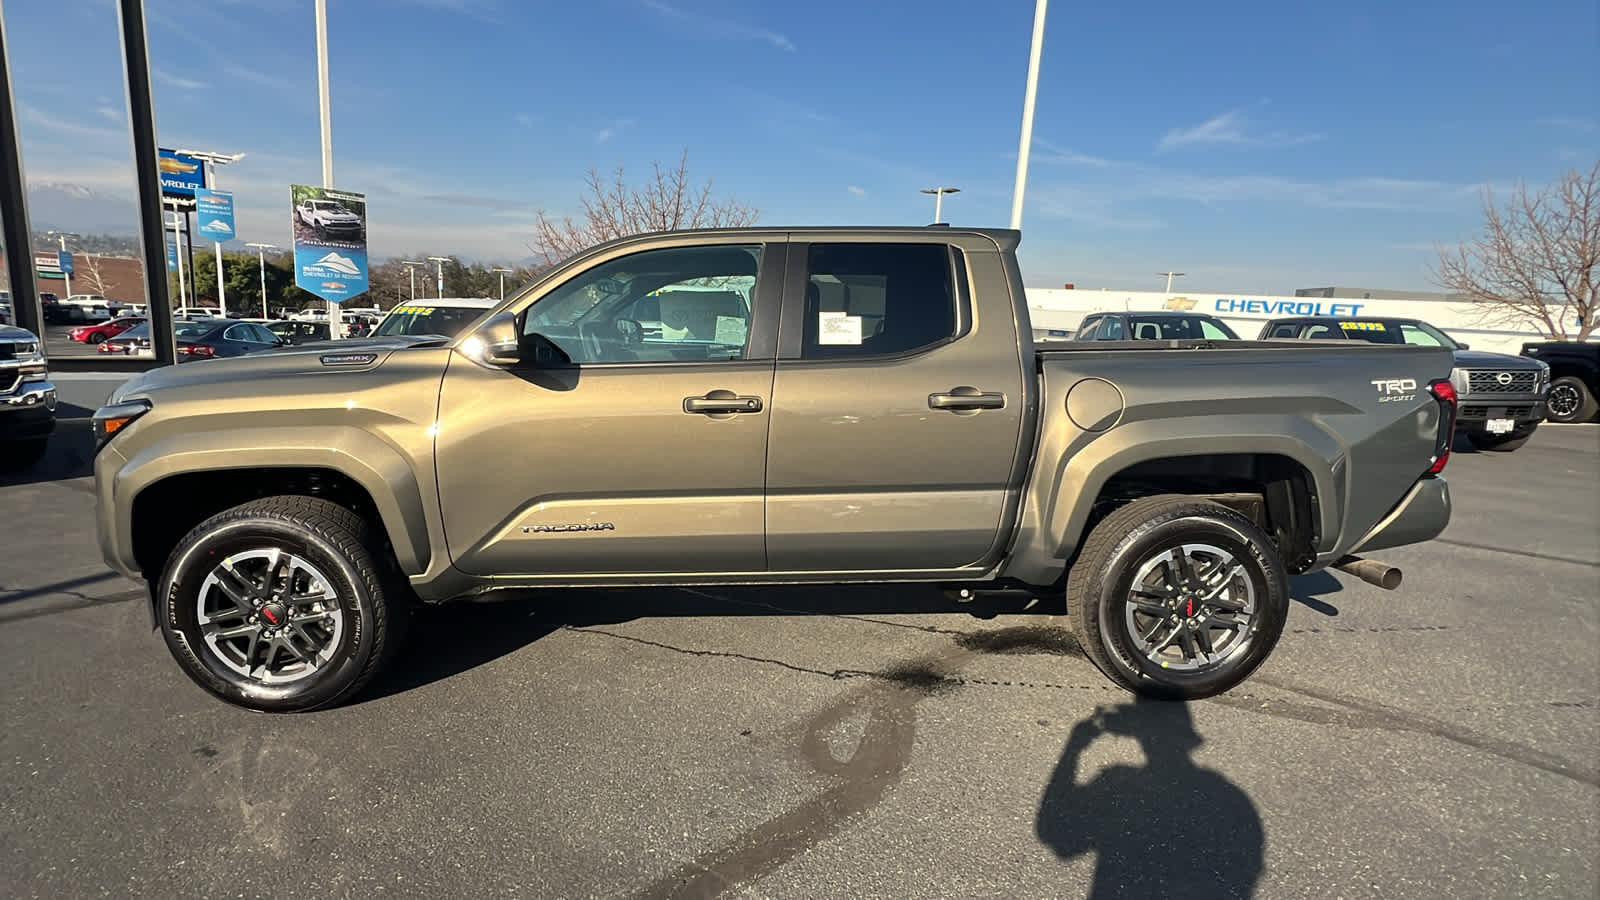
x: 1027, y: 113
x: 211, y: 161
x: 1170, y: 277
x: 938, y: 200
x: 502, y: 281
x: 325, y: 103
x: 261, y: 259
x: 441, y: 260
x: 411, y: 269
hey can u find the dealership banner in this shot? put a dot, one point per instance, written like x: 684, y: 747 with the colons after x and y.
x: 330, y: 241
x: 213, y: 214
x: 180, y: 175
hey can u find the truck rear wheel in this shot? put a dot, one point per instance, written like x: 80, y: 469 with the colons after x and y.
x: 1177, y: 598
x: 282, y: 604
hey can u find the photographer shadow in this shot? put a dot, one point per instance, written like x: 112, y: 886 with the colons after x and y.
x: 1165, y: 829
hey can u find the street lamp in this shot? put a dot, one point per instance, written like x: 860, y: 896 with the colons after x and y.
x: 1170, y: 276
x: 441, y: 260
x: 938, y: 200
x: 211, y: 161
x: 261, y: 258
x: 411, y: 268
x: 62, y: 237
x: 502, y: 281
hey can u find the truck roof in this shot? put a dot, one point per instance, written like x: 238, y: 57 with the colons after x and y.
x: 1007, y: 238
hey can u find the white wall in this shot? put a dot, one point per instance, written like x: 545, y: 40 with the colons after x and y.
x: 1056, y: 308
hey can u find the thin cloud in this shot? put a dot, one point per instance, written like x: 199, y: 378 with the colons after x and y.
x: 244, y: 73
x: 858, y: 191
x: 1064, y: 156
x: 1569, y: 123
x: 726, y: 29
x: 524, y: 119
x: 64, y: 126
x: 612, y: 130
x: 178, y: 81
x: 1231, y: 128
x: 109, y: 112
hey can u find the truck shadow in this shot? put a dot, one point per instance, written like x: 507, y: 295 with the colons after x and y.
x: 70, y: 454
x: 1307, y: 590
x: 452, y: 638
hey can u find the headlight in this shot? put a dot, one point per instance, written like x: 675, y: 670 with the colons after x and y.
x: 1459, y: 381
x: 108, y: 420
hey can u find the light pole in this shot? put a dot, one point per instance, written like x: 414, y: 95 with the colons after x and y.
x: 1170, y: 276
x: 938, y: 200
x: 177, y: 243
x: 211, y: 161
x: 1027, y: 113
x: 441, y: 260
x: 502, y: 281
x: 411, y: 269
x: 261, y: 259
x: 62, y: 237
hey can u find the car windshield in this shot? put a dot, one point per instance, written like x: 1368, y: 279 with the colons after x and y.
x: 1177, y: 328
x: 445, y: 321
x: 1417, y: 334
x: 132, y: 334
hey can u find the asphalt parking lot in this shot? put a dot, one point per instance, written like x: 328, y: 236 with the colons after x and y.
x: 818, y: 742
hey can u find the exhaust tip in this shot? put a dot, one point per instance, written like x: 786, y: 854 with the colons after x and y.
x: 1371, y: 571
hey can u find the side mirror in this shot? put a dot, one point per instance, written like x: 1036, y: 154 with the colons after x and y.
x: 496, y: 343
x: 1460, y: 345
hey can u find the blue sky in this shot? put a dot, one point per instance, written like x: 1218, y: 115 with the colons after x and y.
x: 1257, y: 146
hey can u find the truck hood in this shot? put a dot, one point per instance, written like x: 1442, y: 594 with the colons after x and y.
x: 1481, y: 359
x: 10, y: 333
x: 310, y: 360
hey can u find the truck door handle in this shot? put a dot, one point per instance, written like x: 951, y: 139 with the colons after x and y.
x: 723, y: 402
x: 965, y: 398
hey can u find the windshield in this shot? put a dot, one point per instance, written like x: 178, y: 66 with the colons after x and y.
x: 1417, y: 334
x: 140, y: 330
x: 192, y: 329
x: 1178, y: 328
x: 445, y: 321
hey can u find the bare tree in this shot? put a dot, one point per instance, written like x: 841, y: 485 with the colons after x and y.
x: 1538, y: 259
x: 613, y: 209
x: 91, y: 276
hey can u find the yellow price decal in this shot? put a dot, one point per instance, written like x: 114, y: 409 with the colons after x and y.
x: 415, y: 310
x: 1361, y: 326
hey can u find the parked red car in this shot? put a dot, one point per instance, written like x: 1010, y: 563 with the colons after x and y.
x: 94, y: 334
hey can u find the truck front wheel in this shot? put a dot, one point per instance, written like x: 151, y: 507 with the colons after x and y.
x: 282, y: 604
x: 1177, y: 598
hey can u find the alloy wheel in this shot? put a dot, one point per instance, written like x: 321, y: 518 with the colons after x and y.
x: 1190, y: 608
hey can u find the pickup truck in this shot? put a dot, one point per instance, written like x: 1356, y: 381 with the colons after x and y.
x: 819, y: 405
x: 330, y: 218
x: 1575, y: 373
x: 27, y: 399
x: 1501, y: 397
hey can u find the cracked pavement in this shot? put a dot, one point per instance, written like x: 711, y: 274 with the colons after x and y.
x: 833, y: 742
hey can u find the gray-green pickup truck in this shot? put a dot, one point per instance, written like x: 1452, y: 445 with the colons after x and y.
x: 764, y: 406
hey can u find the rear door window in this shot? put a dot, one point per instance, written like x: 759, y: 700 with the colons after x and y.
x: 877, y: 300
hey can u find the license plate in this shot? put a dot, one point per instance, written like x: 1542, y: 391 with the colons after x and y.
x: 1501, y: 426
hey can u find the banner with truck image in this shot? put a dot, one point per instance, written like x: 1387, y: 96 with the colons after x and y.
x: 330, y: 241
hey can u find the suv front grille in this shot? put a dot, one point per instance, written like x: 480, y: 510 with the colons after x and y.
x: 1502, y: 382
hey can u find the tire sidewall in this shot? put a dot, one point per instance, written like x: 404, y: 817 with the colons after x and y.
x: 1268, y: 579
x: 1583, y: 409
x: 194, y: 561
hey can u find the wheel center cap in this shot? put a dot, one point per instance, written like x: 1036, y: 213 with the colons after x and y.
x: 275, y: 613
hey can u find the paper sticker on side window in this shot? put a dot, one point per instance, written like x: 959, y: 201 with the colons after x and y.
x: 838, y: 328
x: 731, y: 331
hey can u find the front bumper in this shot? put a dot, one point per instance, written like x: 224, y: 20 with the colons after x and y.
x: 1421, y: 516
x: 1473, y: 414
x: 28, y: 411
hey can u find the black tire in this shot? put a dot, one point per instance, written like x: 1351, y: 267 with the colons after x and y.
x: 1500, y: 443
x: 1100, y: 585
x: 96, y: 337
x: 16, y: 456
x: 341, y: 548
x: 1570, y: 401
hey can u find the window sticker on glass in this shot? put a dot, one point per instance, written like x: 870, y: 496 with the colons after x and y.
x: 731, y: 331
x: 1361, y: 326
x: 838, y: 328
